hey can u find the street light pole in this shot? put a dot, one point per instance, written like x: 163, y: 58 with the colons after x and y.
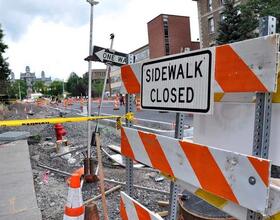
x: 87, y: 160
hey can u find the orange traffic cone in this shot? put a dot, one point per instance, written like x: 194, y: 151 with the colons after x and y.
x: 138, y: 104
x: 74, y: 209
x: 116, y: 103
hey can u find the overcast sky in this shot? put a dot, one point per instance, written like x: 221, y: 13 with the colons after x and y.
x: 53, y: 35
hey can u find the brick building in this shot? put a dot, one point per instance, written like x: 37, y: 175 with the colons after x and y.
x: 210, y: 12
x: 170, y: 34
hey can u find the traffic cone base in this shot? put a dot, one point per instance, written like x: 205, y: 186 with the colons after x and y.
x: 74, y: 208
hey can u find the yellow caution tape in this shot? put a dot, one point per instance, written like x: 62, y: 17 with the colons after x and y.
x: 42, y: 121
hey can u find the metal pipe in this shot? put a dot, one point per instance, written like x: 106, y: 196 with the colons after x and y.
x: 54, y: 170
x: 106, y: 193
x: 108, y: 69
x: 107, y: 180
x: 92, y: 3
x: 138, y: 187
x: 69, y: 152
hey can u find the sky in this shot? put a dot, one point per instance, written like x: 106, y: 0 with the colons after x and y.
x: 53, y: 35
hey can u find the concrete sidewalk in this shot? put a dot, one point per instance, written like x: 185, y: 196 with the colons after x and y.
x: 17, y: 194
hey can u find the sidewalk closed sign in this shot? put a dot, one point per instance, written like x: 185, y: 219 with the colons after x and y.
x: 181, y: 83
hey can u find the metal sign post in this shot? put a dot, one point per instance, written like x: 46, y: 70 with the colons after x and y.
x: 175, y: 188
x: 108, y: 69
x: 128, y: 162
x: 263, y: 111
x: 88, y: 158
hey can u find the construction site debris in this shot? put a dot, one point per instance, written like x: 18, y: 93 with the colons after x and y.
x: 113, y: 189
x: 56, y: 190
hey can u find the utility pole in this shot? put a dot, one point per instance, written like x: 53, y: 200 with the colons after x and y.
x: 88, y: 161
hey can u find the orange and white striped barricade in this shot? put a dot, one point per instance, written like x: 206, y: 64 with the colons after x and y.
x: 74, y: 209
x: 130, y: 209
x: 231, y: 176
x: 242, y: 67
x: 116, y: 103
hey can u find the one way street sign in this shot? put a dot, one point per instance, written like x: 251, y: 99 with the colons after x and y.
x: 104, y: 55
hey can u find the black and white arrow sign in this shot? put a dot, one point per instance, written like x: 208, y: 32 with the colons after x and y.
x: 104, y: 55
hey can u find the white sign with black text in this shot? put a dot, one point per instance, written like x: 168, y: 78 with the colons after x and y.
x: 181, y: 83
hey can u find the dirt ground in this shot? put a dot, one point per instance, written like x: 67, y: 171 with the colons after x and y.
x: 51, y: 188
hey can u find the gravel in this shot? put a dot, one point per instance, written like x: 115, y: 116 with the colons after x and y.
x: 51, y: 188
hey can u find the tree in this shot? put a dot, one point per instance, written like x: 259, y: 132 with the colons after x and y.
x: 4, y: 66
x: 76, y: 85
x: 229, y: 27
x: 97, y: 87
x: 56, y: 88
x: 39, y: 86
x: 252, y: 10
x: 18, y: 89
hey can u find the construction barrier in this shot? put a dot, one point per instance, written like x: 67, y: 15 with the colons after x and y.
x: 41, y: 121
x: 130, y: 209
x: 74, y: 208
x: 229, y: 175
x: 116, y: 103
x: 247, y: 66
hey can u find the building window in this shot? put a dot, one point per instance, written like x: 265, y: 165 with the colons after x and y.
x: 210, y: 5
x: 211, y: 27
x: 166, y: 34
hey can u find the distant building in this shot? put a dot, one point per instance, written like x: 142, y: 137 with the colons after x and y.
x: 97, y: 74
x: 141, y: 54
x: 30, y: 79
x: 170, y: 34
x: 210, y: 13
x: 46, y: 80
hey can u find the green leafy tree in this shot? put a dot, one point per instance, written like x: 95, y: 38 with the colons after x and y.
x: 76, y: 85
x: 97, y: 87
x: 18, y: 89
x: 229, y: 27
x: 4, y: 66
x: 56, y: 88
x: 241, y: 22
x: 252, y: 10
x: 39, y: 86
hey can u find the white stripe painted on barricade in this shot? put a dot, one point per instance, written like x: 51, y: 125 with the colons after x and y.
x: 130, y: 209
x: 247, y: 66
x: 229, y: 175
